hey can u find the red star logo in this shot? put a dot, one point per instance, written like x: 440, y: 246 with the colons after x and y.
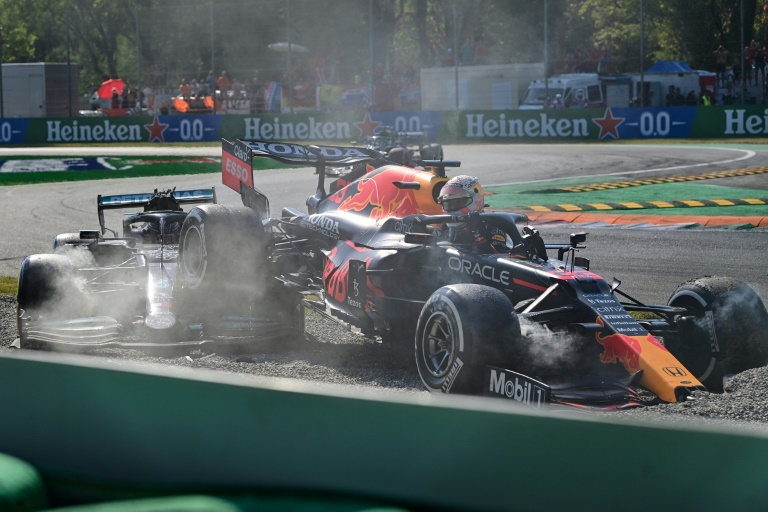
x: 367, y: 127
x: 608, y: 124
x: 156, y: 130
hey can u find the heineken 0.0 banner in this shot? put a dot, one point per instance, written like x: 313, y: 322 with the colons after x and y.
x: 496, y: 126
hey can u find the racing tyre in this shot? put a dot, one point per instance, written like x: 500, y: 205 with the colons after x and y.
x: 431, y: 152
x: 461, y: 329
x: 725, y: 332
x: 61, y: 241
x: 47, y: 288
x: 222, y: 262
x: 400, y: 156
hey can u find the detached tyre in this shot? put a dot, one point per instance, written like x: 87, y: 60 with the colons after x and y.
x: 725, y: 331
x: 461, y: 329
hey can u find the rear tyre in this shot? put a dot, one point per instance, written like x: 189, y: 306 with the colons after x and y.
x: 224, y: 269
x: 222, y: 259
x: 726, y: 331
x: 431, y: 152
x: 400, y: 156
x: 461, y: 329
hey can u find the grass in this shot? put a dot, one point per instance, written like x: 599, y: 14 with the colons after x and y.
x: 8, y: 285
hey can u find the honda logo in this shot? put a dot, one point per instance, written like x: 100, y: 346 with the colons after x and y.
x: 674, y: 371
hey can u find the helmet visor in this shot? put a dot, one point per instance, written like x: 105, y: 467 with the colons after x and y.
x: 453, y: 203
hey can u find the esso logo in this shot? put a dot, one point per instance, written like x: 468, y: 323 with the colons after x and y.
x: 237, y: 170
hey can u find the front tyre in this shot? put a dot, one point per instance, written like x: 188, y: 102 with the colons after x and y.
x: 48, y: 289
x: 725, y: 331
x: 461, y: 329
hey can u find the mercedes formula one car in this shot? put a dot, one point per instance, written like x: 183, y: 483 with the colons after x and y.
x: 100, y: 288
x: 529, y: 322
x: 402, y: 147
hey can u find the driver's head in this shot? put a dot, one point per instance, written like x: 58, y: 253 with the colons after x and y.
x: 462, y: 194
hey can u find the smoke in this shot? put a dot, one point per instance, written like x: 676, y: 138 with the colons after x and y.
x: 546, y: 349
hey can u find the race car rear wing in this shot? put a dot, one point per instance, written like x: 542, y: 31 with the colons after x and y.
x: 237, y: 164
x: 125, y: 201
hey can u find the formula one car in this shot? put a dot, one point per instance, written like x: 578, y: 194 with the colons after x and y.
x: 103, y: 289
x: 402, y: 147
x: 530, y: 322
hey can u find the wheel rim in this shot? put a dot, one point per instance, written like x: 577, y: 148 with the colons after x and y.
x: 192, y: 250
x: 438, y: 344
x: 695, y: 354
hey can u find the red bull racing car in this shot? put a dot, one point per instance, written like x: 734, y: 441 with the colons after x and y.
x: 528, y: 322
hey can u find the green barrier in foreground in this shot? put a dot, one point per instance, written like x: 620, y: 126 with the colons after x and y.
x: 173, y: 430
x: 21, y: 486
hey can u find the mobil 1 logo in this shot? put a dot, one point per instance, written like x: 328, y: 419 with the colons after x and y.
x: 515, y: 386
x: 356, y: 284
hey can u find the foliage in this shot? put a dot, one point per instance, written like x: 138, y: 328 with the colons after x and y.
x: 141, y: 40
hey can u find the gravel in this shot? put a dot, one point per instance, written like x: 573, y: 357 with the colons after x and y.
x: 332, y: 355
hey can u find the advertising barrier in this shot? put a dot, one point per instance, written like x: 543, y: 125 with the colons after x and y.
x: 504, y: 126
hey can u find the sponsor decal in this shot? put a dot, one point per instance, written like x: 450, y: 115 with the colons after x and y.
x: 367, y: 127
x: 56, y: 165
x: 297, y: 151
x: 356, y: 287
x: 675, y: 371
x: 105, y: 131
x: 472, y: 268
x: 608, y: 125
x: 143, y: 198
x: 458, y: 364
x: 322, y: 224
x: 156, y: 130
x: 738, y: 123
x: 234, y: 172
x: 516, y: 386
x: 545, y: 125
x: 311, y: 129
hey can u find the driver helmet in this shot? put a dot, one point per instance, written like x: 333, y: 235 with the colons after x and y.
x: 462, y: 194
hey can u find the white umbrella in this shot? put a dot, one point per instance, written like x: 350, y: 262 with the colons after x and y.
x: 285, y: 47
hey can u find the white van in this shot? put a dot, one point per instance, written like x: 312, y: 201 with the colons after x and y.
x: 570, y: 87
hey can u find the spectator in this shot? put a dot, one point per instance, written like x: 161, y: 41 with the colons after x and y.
x: 679, y: 98
x: 691, y: 100
x: 579, y: 101
x: 760, y: 65
x: 210, y: 83
x: 721, y: 60
x: 195, y: 87
x: 749, y: 61
x: 479, y: 51
x: 222, y: 85
x: 115, y: 99
x: 558, y: 102
x: 669, y: 99
x: 185, y: 90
